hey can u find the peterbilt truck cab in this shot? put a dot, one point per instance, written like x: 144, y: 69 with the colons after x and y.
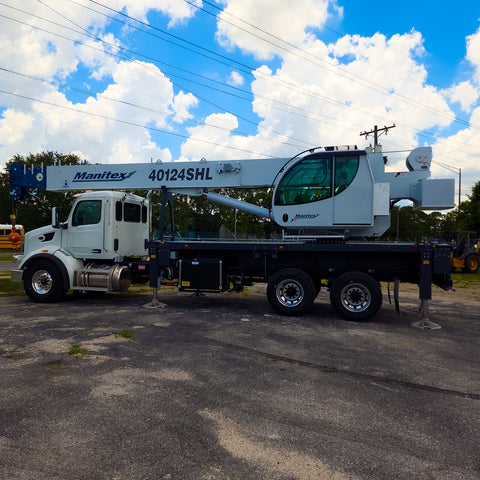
x: 90, y: 251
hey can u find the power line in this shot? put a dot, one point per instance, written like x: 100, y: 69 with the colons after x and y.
x: 290, y: 85
x: 308, y: 92
x: 125, y: 56
x: 283, y: 83
x: 303, y: 142
x: 324, y: 64
x: 133, y: 124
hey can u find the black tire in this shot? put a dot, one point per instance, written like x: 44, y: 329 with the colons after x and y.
x: 43, y: 282
x: 471, y: 263
x: 291, y: 291
x: 356, y: 296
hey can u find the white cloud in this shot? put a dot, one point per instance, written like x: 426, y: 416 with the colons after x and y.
x: 473, y: 53
x: 48, y: 120
x: 465, y: 94
x: 235, y: 79
x: 94, y: 55
x: 13, y: 126
x: 144, y: 96
x: 348, y: 87
x: 182, y: 103
x: 177, y: 11
x: 273, y: 19
x: 460, y: 150
x: 213, y: 139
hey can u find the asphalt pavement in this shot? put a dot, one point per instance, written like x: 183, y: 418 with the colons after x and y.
x: 220, y: 387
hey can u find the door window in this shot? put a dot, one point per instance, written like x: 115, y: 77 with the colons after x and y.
x: 345, y: 170
x: 87, y: 212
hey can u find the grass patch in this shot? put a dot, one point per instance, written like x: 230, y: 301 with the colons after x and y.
x: 466, y: 280
x: 137, y: 289
x: 9, y: 288
x: 7, y: 255
x: 76, y: 350
x: 125, y: 334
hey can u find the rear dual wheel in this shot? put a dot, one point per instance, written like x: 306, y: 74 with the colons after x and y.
x: 356, y: 296
x: 291, y: 291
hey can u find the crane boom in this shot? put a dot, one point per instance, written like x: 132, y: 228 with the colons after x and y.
x: 251, y: 173
x: 333, y: 190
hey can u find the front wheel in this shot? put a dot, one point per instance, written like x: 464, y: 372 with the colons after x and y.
x: 356, y: 296
x: 43, y: 282
x: 291, y: 291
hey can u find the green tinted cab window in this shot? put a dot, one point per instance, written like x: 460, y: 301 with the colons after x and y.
x: 87, y: 212
x: 345, y: 170
x: 309, y: 180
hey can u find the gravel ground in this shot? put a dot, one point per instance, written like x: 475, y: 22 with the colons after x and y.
x: 221, y: 387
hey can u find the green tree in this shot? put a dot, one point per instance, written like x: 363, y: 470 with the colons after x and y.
x: 197, y: 216
x: 449, y: 225
x: 470, y: 213
x: 246, y: 224
x: 35, y: 210
x: 408, y: 224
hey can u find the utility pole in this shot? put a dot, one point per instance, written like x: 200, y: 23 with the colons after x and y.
x: 376, y: 133
x: 459, y: 186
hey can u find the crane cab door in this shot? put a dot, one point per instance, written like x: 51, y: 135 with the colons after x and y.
x: 85, y: 237
x: 353, y: 191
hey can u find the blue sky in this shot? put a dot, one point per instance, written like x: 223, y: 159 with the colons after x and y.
x: 444, y: 26
x: 128, y: 81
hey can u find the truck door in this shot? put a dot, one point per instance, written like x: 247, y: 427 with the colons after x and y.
x: 353, y: 185
x: 85, y: 232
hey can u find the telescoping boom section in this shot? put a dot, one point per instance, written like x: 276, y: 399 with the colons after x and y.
x: 330, y: 190
x: 335, y: 199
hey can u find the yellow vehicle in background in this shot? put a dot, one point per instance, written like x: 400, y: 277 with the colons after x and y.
x: 465, y: 254
x: 7, y: 240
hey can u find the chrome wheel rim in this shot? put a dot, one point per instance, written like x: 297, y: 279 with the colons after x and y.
x: 355, y: 297
x: 290, y: 293
x: 42, y: 282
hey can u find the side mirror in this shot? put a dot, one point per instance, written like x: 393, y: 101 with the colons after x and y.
x: 55, y: 221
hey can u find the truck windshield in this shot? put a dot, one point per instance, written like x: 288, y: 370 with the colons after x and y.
x: 311, y: 179
x: 87, y: 212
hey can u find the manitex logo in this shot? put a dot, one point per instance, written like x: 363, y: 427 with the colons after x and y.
x: 106, y: 176
x: 300, y: 216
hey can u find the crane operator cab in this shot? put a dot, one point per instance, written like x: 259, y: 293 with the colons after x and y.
x: 331, y: 192
x: 346, y: 191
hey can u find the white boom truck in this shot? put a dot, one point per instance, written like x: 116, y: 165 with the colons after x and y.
x: 332, y: 198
